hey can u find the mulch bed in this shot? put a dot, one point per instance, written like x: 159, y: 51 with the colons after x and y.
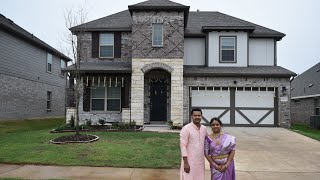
x: 75, y: 138
x: 98, y: 128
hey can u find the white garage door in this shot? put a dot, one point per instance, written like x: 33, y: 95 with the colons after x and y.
x: 235, y: 106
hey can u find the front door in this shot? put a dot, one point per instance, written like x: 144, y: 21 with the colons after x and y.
x: 158, y: 100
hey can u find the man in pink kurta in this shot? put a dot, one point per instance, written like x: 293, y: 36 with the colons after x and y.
x: 192, y: 138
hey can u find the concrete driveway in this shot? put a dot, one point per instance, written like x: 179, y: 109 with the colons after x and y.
x: 261, y: 154
x: 275, y: 153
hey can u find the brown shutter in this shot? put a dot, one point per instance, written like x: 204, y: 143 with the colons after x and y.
x: 117, y: 44
x: 86, y: 98
x: 125, y: 93
x: 95, y: 44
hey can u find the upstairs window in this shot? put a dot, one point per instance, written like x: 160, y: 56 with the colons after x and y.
x: 106, y: 45
x: 49, y: 62
x: 227, y: 49
x: 157, y: 35
x: 62, y: 64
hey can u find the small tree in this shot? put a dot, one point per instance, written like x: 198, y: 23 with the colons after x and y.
x: 76, y: 42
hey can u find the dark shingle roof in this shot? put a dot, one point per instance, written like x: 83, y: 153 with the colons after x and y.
x: 216, y: 19
x: 122, y: 21
x: 103, y: 67
x: 301, y: 85
x: 251, y: 71
x: 157, y: 3
x: 161, y: 5
x: 13, y: 28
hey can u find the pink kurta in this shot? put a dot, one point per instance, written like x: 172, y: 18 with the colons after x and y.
x: 192, y: 145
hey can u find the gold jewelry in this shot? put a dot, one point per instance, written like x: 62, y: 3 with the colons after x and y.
x: 219, y: 140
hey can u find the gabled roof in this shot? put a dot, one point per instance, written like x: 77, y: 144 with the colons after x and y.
x: 197, y: 22
x: 251, y: 71
x: 11, y: 27
x: 120, y: 21
x: 217, y: 20
x: 158, y: 5
x: 307, y: 83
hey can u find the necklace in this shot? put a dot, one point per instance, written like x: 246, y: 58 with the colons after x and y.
x: 219, y: 139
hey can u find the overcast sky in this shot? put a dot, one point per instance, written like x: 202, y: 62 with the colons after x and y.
x: 298, y: 19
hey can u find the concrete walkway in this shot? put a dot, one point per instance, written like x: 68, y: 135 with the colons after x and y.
x: 261, y: 154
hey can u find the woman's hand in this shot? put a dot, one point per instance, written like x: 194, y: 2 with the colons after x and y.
x: 223, y: 168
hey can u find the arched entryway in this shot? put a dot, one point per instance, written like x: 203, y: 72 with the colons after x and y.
x: 157, y: 87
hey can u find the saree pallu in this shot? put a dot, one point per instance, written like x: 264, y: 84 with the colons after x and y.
x: 219, y: 153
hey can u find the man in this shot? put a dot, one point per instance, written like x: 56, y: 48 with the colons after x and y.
x: 192, y: 138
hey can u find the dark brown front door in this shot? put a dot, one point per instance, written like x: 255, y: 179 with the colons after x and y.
x: 158, y: 101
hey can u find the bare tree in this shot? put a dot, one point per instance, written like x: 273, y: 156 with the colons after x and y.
x: 75, y: 39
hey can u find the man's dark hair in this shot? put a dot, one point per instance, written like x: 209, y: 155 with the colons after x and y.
x: 196, y: 109
x: 216, y: 119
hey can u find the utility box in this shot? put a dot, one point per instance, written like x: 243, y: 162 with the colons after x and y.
x: 315, y: 122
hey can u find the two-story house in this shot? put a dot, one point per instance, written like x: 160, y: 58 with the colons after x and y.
x: 157, y: 60
x: 32, y: 83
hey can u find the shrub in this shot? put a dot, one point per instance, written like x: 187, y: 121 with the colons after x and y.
x: 88, y: 122
x: 102, y: 121
x: 71, y: 122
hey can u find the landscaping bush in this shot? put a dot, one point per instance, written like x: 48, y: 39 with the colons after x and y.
x: 102, y: 121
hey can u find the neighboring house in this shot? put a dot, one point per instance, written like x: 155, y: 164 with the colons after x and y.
x: 305, y: 95
x: 32, y: 83
x: 155, y: 61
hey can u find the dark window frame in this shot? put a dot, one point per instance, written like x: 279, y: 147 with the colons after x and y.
x: 49, y: 101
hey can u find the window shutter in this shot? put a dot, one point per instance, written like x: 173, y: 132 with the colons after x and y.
x: 95, y: 44
x: 86, y: 98
x: 117, y: 44
x: 125, y: 94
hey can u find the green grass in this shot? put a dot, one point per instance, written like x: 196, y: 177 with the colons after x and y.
x: 306, y: 130
x: 27, y: 142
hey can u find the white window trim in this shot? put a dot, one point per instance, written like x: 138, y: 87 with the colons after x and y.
x: 47, y: 65
x: 106, y: 45
x: 105, y: 102
x: 49, y: 100
x: 153, y: 45
x: 234, y: 50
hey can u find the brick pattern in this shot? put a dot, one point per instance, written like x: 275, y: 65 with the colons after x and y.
x: 301, y: 110
x: 284, y: 106
x: 173, y: 34
x: 23, y: 99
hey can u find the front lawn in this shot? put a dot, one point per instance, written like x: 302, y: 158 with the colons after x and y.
x: 306, y: 130
x: 27, y: 142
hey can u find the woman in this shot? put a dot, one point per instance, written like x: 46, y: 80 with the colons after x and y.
x: 219, y: 149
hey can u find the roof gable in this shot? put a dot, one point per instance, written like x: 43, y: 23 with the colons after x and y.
x: 307, y: 83
x: 18, y: 31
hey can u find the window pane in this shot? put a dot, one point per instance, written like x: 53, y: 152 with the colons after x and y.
x: 98, y: 92
x: 114, y: 92
x: 157, y: 34
x: 49, y: 67
x: 106, y: 51
x: 48, y: 105
x: 97, y: 105
x: 227, y: 55
x: 106, y: 39
x: 113, y: 105
x: 49, y: 58
x: 62, y: 63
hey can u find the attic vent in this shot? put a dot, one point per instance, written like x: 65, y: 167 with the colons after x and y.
x: 310, y: 85
x: 292, y: 89
x: 318, y: 70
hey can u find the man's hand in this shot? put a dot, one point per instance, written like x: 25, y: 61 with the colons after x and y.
x: 186, y: 167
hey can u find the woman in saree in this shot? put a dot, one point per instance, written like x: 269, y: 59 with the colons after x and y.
x: 219, y: 149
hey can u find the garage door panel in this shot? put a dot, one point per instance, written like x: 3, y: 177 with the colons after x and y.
x: 210, y: 113
x: 210, y: 98
x: 239, y: 119
x: 263, y: 99
x: 254, y: 115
